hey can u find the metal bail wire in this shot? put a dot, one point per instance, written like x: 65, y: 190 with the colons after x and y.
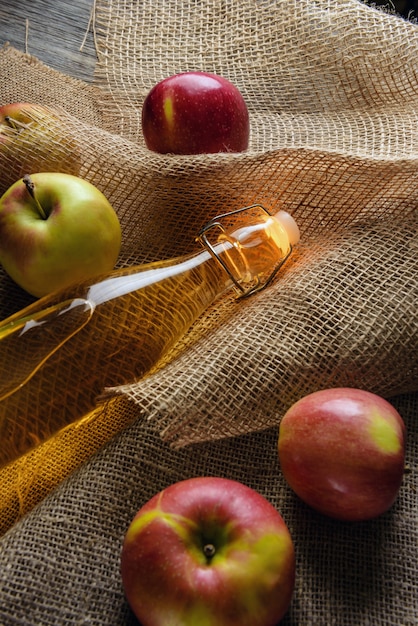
x: 215, y: 223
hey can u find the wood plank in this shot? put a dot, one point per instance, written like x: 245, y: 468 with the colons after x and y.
x: 53, y: 31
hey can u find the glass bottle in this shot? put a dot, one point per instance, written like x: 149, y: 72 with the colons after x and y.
x: 59, y: 353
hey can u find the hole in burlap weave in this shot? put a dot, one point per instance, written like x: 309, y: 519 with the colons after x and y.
x: 333, y: 96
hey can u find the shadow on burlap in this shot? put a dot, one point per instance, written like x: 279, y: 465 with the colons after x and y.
x: 332, y: 93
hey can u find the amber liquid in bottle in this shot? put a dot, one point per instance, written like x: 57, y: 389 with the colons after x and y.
x: 58, y: 354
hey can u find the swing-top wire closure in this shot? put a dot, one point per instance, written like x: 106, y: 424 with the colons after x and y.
x: 202, y: 237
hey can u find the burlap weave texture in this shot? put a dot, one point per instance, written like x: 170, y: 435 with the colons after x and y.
x: 332, y: 91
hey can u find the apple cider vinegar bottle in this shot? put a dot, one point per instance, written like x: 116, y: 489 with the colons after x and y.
x: 58, y: 354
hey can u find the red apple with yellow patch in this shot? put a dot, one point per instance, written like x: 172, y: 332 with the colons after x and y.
x: 342, y: 451
x: 208, y: 551
x: 195, y: 113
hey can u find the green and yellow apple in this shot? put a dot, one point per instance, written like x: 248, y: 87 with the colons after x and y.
x: 342, y: 451
x: 56, y: 229
x: 35, y: 138
x: 208, y: 551
x: 195, y: 113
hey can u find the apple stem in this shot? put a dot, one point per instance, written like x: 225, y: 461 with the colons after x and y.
x: 209, y: 550
x: 15, y: 124
x: 31, y: 190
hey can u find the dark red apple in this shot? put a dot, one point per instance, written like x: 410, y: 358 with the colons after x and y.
x: 208, y: 552
x: 195, y: 113
x: 342, y: 451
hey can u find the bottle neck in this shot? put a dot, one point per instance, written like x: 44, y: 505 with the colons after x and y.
x: 199, y: 273
x: 251, y: 254
x: 244, y: 258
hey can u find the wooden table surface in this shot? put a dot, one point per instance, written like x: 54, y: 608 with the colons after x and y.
x: 55, y: 31
x: 58, y: 31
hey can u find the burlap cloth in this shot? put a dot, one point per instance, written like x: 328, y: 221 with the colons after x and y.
x: 332, y: 91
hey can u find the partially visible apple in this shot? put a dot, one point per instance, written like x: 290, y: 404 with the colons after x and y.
x: 194, y: 113
x: 342, y: 451
x: 55, y: 230
x: 208, y: 551
x: 35, y: 138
